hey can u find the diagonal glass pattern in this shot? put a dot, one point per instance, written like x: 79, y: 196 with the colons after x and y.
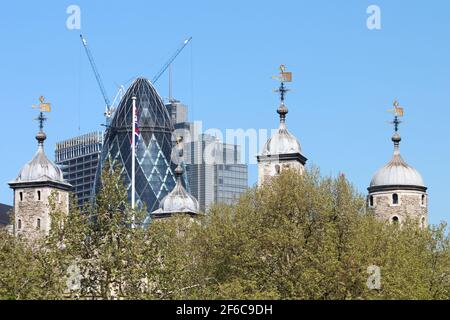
x: 154, y: 169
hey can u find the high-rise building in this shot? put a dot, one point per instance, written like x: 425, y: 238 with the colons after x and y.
x: 177, y: 111
x: 214, y: 171
x: 78, y: 158
x: 154, y: 169
x: 5, y: 215
x: 397, y: 191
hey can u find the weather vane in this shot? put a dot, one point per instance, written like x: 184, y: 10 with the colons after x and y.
x: 43, y: 107
x: 283, y: 77
x: 398, y: 113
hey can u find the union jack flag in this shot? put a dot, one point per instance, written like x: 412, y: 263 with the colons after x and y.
x: 137, y: 130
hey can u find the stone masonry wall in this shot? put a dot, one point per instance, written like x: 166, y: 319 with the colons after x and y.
x: 409, y: 206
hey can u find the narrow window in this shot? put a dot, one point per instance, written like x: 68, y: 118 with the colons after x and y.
x: 395, y: 220
x: 19, y: 224
x: 422, y: 223
x: 395, y: 198
x: 277, y: 169
x: 39, y: 195
x: 38, y: 224
x: 21, y: 196
x: 423, y: 199
x: 371, y: 201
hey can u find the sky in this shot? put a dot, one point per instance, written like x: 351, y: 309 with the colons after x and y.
x: 346, y: 76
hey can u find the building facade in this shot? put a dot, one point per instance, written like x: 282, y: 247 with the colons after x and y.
x: 5, y: 215
x: 214, y: 171
x: 397, y: 191
x: 154, y: 169
x: 78, y: 159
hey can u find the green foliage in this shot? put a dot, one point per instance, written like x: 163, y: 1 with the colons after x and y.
x: 299, y: 237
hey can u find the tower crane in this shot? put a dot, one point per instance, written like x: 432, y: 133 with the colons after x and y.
x: 171, y: 60
x: 110, y: 107
x: 96, y: 73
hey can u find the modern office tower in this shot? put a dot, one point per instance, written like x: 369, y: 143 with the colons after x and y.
x: 214, y: 171
x: 5, y: 215
x: 154, y: 169
x: 177, y: 111
x: 78, y: 158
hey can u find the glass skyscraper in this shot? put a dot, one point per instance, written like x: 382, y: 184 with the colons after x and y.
x: 215, y: 172
x: 78, y: 159
x: 154, y: 169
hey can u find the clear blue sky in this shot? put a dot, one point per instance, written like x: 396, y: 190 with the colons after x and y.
x: 346, y: 76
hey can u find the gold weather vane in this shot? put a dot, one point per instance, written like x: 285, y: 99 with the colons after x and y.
x: 43, y: 106
x: 398, y: 113
x: 284, y: 76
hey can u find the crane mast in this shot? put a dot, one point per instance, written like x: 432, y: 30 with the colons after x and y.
x: 110, y: 109
x: 96, y: 73
x: 171, y: 60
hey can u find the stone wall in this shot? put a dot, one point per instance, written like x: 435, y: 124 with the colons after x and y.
x: 29, y: 209
x: 409, y: 206
x: 269, y: 169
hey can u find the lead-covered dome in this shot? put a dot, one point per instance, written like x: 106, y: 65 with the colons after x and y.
x: 178, y: 200
x: 282, y: 142
x: 397, y: 172
x: 40, y: 168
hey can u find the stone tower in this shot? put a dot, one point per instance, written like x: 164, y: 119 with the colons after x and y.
x: 397, y: 191
x: 36, y: 182
x: 282, y: 151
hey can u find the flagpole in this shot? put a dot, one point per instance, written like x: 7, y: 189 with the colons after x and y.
x: 133, y: 156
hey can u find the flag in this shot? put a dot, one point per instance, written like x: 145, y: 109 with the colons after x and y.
x: 137, y: 131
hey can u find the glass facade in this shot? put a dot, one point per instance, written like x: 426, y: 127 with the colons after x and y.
x: 78, y: 159
x: 154, y: 169
x: 214, y: 171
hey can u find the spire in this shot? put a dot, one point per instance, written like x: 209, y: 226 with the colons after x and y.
x: 179, y: 171
x: 283, y: 78
x: 43, y: 107
x: 396, y: 138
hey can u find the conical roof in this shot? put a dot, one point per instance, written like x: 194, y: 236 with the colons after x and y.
x: 178, y: 201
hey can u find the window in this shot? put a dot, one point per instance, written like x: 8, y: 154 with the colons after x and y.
x: 39, y: 195
x: 371, y: 201
x: 423, y: 199
x: 395, y: 198
x: 422, y: 223
x: 38, y: 224
x: 19, y: 224
x: 277, y: 169
x: 21, y: 196
x: 395, y: 220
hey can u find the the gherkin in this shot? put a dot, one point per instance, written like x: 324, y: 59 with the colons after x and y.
x: 154, y: 169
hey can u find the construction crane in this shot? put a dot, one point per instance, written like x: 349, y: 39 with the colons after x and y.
x: 171, y: 60
x: 96, y: 73
x: 110, y: 109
